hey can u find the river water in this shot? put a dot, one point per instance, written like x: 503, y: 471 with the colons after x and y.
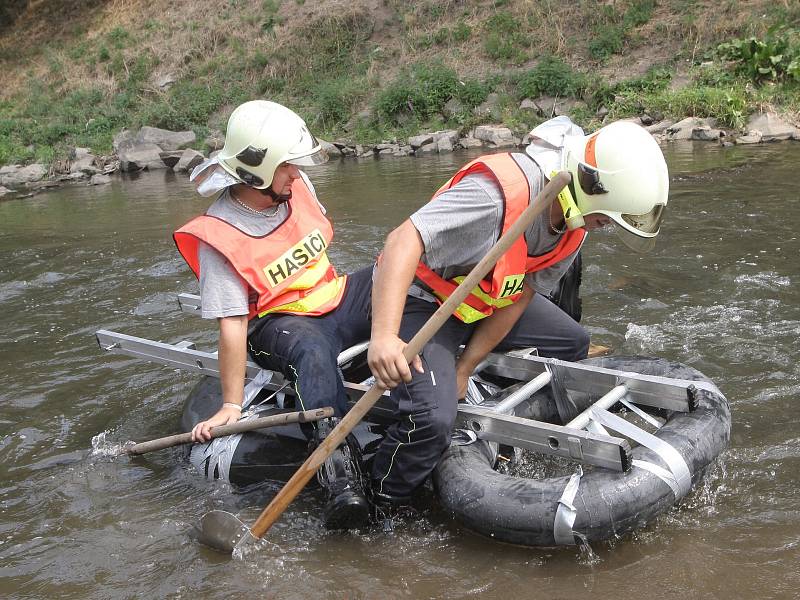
x: 720, y: 293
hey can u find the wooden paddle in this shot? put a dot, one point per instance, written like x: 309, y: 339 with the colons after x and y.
x: 306, y: 416
x: 309, y: 468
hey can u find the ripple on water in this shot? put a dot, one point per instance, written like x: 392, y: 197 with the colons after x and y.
x: 747, y: 334
x: 164, y: 268
x: 13, y: 289
x: 767, y: 280
x: 77, y: 525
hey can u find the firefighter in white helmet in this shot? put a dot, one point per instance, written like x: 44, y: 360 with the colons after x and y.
x: 618, y: 171
x: 618, y: 175
x: 259, y: 253
x: 261, y: 136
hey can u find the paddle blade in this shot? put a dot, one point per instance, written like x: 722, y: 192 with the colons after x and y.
x: 222, y: 531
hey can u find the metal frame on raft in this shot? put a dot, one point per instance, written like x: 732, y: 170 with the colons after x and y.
x: 584, y: 438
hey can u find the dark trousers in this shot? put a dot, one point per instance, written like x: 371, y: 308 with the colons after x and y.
x: 426, y: 408
x: 304, y: 349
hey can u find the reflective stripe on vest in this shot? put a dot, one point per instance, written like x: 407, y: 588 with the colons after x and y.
x: 286, y: 270
x: 508, y: 275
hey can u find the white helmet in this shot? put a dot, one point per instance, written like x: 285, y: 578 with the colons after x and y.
x: 261, y: 135
x: 619, y: 171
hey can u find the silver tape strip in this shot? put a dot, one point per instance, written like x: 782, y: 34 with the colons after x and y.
x: 671, y: 457
x: 636, y: 410
x: 254, y: 386
x: 595, y: 427
x: 659, y: 472
x: 566, y: 512
x: 474, y: 395
x: 219, y: 453
x: 463, y: 437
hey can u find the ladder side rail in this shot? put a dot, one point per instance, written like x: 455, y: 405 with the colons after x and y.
x: 599, y: 450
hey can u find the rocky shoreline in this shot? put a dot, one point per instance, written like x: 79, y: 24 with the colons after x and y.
x: 152, y: 149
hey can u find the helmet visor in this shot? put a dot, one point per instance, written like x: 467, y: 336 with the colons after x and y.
x: 638, y: 232
x: 635, y: 242
x: 648, y: 224
x: 319, y: 157
x: 307, y: 152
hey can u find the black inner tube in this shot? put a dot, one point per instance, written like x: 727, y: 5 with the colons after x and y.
x: 522, y: 510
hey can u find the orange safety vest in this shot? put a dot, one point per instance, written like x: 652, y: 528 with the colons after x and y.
x: 504, y: 284
x: 287, y: 270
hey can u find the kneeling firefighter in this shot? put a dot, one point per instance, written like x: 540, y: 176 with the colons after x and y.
x: 260, y: 254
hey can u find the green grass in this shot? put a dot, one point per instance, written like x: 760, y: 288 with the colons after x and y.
x: 613, y: 30
x: 639, y: 13
x: 505, y: 38
x: 447, y: 36
x: 333, y: 66
x: 607, y: 40
x: 728, y: 105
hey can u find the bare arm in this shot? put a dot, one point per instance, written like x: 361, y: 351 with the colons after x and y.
x: 232, y: 364
x: 489, y: 332
x: 393, y: 277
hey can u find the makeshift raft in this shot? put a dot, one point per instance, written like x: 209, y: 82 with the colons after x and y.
x: 628, y: 468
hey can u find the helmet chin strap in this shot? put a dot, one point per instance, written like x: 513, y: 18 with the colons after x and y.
x: 277, y: 198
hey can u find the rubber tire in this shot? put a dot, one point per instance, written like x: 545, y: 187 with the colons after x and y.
x: 522, y: 511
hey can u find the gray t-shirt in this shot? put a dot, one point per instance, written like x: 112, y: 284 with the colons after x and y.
x: 461, y: 225
x: 223, y: 293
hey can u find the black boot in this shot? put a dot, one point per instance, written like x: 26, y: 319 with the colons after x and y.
x: 339, y: 475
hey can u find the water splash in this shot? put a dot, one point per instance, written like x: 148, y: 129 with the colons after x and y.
x: 586, y: 556
x: 102, y: 448
x: 647, y: 338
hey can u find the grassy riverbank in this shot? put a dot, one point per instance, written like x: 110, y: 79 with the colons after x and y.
x: 76, y: 72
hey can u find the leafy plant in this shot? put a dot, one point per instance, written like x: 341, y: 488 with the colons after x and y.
x: 461, y: 32
x: 473, y: 92
x: 422, y: 92
x: 775, y: 57
x: 551, y: 76
x: 607, y: 40
x: 655, y: 79
x: 335, y: 100
x: 259, y: 61
x: 726, y: 105
x: 614, y: 28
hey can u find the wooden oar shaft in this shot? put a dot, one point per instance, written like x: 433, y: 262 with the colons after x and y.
x: 308, y: 469
x: 306, y: 416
